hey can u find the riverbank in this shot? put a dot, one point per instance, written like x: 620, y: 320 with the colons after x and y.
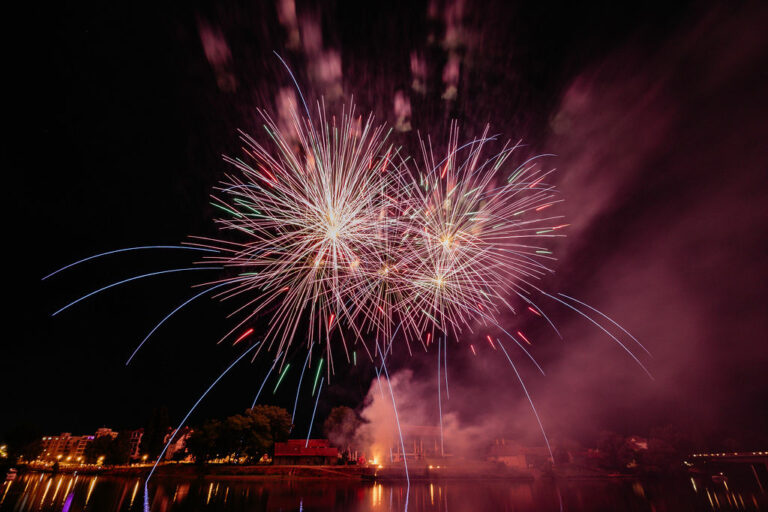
x: 425, y: 472
x: 223, y: 470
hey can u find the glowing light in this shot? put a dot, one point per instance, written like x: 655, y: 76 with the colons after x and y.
x: 280, y: 379
x: 317, y: 375
x: 243, y: 336
x: 134, y: 278
x: 127, y: 249
x: 312, y: 421
x: 320, y: 227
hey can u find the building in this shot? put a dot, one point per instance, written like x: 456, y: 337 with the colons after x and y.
x: 135, y: 443
x: 65, y: 447
x: 420, y: 441
x: 299, y: 452
x: 509, y: 453
x: 515, y: 455
x: 104, y: 431
x: 179, y: 445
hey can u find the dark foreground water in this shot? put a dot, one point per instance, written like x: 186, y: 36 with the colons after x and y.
x: 44, y: 492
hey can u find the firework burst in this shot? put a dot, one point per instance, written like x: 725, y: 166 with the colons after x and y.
x: 306, y: 222
x: 332, y: 234
x: 324, y: 229
x: 471, y: 236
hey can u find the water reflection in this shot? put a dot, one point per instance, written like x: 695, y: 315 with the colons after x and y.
x: 75, y: 493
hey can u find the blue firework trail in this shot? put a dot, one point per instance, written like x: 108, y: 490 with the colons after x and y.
x: 169, y: 315
x: 301, y: 378
x: 134, y: 278
x: 274, y: 363
x: 314, y: 411
x: 614, y: 338
x: 440, y: 399
x: 445, y: 366
x: 528, y: 396
x: 184, y: 421
x: 609, y: 319
x: 128, y: 249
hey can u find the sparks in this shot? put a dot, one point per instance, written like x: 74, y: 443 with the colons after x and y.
x: 243, y: 336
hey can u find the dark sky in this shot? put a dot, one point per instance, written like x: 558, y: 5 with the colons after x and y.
x: 117, y: 117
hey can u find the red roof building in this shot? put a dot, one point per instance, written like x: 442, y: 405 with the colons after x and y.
x: 299, y: 452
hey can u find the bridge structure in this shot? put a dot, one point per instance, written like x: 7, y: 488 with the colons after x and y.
x: 733, y: 457
x: 753, y: 459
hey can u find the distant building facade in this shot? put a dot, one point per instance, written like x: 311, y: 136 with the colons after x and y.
x: 65, y: 447
x: 301, y: 452
x: 104, y: 432
x: 420, y: 442
x: 135, y: 443
x: 178, y: 446
x: 516, y: 455
x: 68, y: 448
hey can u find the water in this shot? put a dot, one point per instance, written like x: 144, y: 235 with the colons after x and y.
x: 68, y: 493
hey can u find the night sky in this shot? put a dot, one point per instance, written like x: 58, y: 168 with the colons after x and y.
x: 118, y: 115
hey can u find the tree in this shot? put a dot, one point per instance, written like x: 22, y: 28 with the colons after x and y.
x: 249, y: 435
x: 257, y: 435
x: 99, y: 447
x: 23, y: 440
x: 121, y: 448
x: 234, y: 436
x: 279, y: 422
x: 115, y: 450
x: 661, y: 456
x: 615, y: 451
x: 667, y: 446
x: 341, y: 427
x: 203, y: 443
x: 563, y: 450
x: 152, y: 441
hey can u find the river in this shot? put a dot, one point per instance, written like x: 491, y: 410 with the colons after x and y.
x: 41, y: 492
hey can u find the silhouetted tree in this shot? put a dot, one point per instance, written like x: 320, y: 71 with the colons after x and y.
x: 99, y: 447
x: 203, y: 443
x: 249, y: 435
x: 115, y: 450
x: 121, y: 448
x: 667, y: 446
x: 278, y: 421
x: 256, y: 435
x: 23, y: 440
x: 563, y: 449
x: 615, y: 450
x: 155, y: 432
x: 341, y: 427
x: 661, y: 456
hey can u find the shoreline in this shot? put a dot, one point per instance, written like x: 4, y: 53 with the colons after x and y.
x: 332, y: 472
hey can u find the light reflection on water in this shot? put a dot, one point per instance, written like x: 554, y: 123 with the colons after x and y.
x: 76, y: 493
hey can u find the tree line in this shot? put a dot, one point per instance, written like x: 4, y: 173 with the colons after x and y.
x: 242, y: 438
